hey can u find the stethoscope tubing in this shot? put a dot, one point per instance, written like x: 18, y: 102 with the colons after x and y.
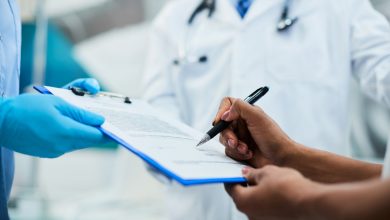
x: 285, y: 23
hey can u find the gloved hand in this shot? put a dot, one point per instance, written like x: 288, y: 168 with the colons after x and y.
x: 90, y: 85
x: 47, y: 126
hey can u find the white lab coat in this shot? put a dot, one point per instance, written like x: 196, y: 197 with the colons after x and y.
x: 307, y: 68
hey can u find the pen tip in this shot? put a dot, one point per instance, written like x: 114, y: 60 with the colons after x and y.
x: 200, y: 143
x: 204, y: 140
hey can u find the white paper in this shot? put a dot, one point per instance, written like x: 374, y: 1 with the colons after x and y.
x: 168, y: 142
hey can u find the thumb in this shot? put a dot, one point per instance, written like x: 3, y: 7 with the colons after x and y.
x: 225, y: 105
x: 80, y: 115
x: 88, y: 84
x: 240, y: 110
x: 252, y: 175
x: 91, y: 85
x: 81, y: 135
x: 247, y: 172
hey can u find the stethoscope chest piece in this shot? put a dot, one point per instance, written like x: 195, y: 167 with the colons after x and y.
x: 286, y: 21
x: 190, y: 60
x: 285, y: 24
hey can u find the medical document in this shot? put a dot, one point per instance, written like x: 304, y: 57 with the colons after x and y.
x: 166, y: 144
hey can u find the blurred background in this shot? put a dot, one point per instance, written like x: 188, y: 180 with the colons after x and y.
x: 106, y: 39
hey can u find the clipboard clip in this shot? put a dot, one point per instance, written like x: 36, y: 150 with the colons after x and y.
x: 80, y: 92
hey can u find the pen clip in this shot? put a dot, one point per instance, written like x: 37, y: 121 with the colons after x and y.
x: 253, y: 93
x: 256, y: 95
x: 77, y: 91
x: 80, y: 92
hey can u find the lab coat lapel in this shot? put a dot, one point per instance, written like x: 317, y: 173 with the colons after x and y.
x: 226, y: 13
x: 260, y: 7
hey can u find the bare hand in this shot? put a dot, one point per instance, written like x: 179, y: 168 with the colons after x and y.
x: 253, y: 136
x: 273, y: 193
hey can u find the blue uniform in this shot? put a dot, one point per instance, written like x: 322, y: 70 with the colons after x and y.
x: 10, y: 42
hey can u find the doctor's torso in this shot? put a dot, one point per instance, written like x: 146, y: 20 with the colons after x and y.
x: 10, y: 43
x: 307, y: 67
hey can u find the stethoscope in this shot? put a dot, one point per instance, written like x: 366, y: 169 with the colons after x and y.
x: 285, y: 23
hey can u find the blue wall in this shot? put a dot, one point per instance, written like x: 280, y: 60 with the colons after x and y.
x: 61, y: 65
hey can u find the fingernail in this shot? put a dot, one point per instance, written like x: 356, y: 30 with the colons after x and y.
x: 242, y: 149
x: 225, y: 115
x: 249, y: 154
x: 245, y: 170
x: 231, y: 143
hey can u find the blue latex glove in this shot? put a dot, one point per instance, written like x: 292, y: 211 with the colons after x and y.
x: 47, y: 126
x: 88, y: 84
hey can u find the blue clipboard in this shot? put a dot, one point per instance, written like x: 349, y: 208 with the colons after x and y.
x: 153, y: 163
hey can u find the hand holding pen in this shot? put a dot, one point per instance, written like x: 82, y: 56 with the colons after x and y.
x: 222, y: 125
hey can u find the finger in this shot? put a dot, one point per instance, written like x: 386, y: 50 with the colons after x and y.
x: 80, y: 115
x: 225, y: 105
x: 234, y: 190
x: 234, y: 148
x: 243, y: 110
x: 234, y: 154
x: 79, y: 135
x: 241, y: 195
x: 90, y: 85
x: 228, y: 138
x: 253, y: 176
x: 242, y: 148
x: 238, y: 154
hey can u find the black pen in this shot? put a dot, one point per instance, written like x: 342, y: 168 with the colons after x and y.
x: 222, y: 125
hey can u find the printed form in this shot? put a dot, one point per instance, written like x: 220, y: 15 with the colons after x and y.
x: 164, y: 143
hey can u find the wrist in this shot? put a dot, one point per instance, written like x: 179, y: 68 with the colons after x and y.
x: 309, y: 202
x: 288, y: 153
x: 324, y: 201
